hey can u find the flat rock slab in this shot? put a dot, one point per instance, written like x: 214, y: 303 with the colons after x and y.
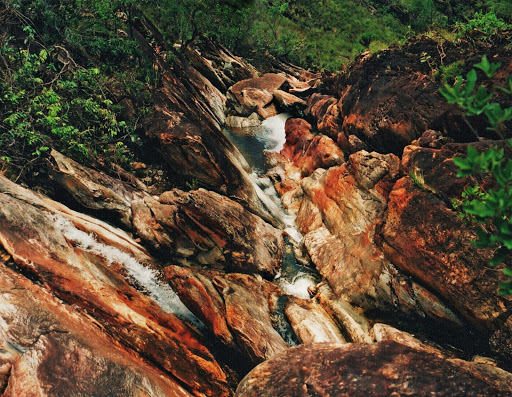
x: 380, y: 369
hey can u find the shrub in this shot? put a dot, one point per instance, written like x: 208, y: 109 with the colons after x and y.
x: 491, y: 207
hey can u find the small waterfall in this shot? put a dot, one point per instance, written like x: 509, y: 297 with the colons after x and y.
x: 293, y: 279
x: 147, y: 279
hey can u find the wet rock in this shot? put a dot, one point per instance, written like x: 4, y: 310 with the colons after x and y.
x: 380, y: 369
x: 248, y: 301
x: 205, y: 228
x: 307, y: 151
x: 311, y: 323
x: 238, y: 122
x: 94, y: 268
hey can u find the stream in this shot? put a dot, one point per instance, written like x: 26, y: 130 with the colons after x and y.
x: 294, y: 278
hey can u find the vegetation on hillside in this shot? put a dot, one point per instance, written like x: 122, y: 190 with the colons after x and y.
x: 75, y: 78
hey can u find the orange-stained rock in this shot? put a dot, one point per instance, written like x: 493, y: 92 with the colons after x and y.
x: 249, y: 302
x: 205, y: 228
x: 196, y: 290
x: 341, y: 211
x: 51, y: 348
x: 307, y: 151
x: 360, y: 369
x: 93, y: 267
x: 425, y: 239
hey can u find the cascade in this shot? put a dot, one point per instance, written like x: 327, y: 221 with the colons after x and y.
x: 294, y: 278
x: 146, y: 279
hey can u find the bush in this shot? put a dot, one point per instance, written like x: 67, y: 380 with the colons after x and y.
x: 490, y: 207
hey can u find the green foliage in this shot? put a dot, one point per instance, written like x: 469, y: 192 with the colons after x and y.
x: 449, y: 73
x: 490, y: 206
x: 477, y: 101
x: 487, y: 23
x: 46, y: 103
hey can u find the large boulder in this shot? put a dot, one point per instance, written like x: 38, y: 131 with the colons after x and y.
x: 424, y: 237
x: 206, y: 228
x: 389, y: 99
x: 380, y: 369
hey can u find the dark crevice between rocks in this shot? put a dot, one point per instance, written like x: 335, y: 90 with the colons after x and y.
x: 5, y: 376
x: 461, y: 342
x: 280, y: 322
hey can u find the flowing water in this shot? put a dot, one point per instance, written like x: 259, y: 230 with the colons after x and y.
x: 294, y: 278
x: 148, y: 280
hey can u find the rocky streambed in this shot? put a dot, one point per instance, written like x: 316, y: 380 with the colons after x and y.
x: 205, y: 289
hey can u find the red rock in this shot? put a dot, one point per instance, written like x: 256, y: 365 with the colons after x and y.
x: 88, y: 270
x: 380, y: 369
x: 51, y: 348
x: 196, y: 290
x: 248, y: 301
x: 434, y: 246
x: 307, y: 151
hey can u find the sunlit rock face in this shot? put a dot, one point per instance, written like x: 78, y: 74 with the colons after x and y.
x: 52, y: 348
x: 379, y: 369
x: 94, y: 267
x: 236, y: 307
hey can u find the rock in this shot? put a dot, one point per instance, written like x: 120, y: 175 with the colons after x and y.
x: 95, y: 190
x: 269, y: 111
x: 310, y: 322
x: 51, y: 348
x: 389, y: 99
x: 93, y: 267
x: 248, y: 306
x: 384, y: 332
x: 254, y: 94
x: 380, y: 369
x: 350, y: 320
x: 307, y: 151
x: 237, y: 122
x: 196, y: 290
x: 351, y: 200
x: 205, y: 228
x: 324, y: 109
x: 434, y: 246
x: 288, y: 101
